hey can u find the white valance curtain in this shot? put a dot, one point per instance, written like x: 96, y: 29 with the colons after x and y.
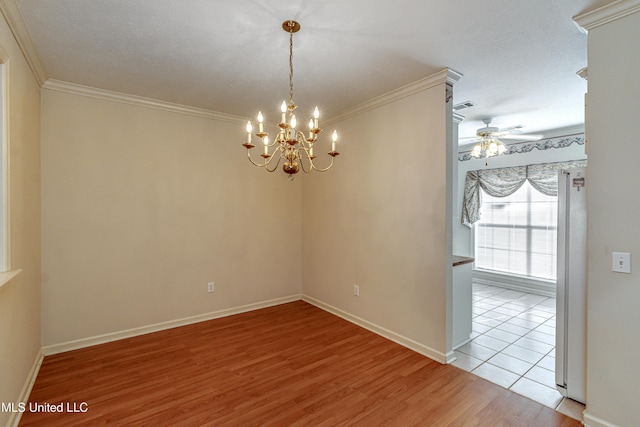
x: 505, y: 181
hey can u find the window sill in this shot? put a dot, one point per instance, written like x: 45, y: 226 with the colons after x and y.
x: 7, y: 276
x: 515, y: 282
x: 520, y: 277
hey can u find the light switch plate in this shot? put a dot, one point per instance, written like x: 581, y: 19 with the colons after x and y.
x: 621, y: 262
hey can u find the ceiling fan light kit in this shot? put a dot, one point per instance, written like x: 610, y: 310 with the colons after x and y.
x: 290, y: 144
x: 490, y: 143
x: 488, y: 148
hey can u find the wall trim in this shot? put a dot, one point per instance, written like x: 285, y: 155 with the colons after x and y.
x: 139, y: 101
x: 446, y: 76
x: 605, y: 14
x: 14, y: 418
x: 13, y: 16
x: 386, y: 333
x: 451, y: 356
x: 442, y: 77
x: 6, y: 276
x: 129, y: 333
x: 526, y: 146
x: 591, y: 421
x: 526, y: 284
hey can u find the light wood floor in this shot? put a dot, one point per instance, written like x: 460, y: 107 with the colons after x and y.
x: 293, y: 364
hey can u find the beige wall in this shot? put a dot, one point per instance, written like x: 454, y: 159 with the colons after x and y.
x: 142, y: 207
x: 20, y: 297
x: 613, y: 377
x: 379, y: 220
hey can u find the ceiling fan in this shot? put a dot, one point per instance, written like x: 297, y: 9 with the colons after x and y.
x: 489, y: 139
x: 512, y: 132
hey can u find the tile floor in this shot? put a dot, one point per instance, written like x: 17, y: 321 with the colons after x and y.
x: 513, y: 345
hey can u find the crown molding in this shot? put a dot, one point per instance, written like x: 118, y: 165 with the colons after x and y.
x: 139, y: 101
x: 452, y: 76
x: 605, y: 14
x: 13, y: 16
x: 446, y: 76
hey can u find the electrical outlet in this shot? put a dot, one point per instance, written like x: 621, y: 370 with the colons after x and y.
x: 621, y: 262
x: 210, y: 287
x: 356, y: 290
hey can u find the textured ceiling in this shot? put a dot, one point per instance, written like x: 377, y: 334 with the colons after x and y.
x: 519, y: 58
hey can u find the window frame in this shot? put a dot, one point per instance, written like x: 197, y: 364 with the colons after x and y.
x: 528, y: 229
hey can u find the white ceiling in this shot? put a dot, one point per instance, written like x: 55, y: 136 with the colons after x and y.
x: 519, y: 58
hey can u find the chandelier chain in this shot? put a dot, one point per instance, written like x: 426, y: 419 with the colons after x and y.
x: 290, y: 67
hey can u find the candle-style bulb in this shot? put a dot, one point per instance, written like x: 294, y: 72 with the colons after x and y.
x: 316, y: 113
x: 293, y: 121
x: 260, y: 119
x: 265, y: 140
x: 283, y: 108
x: 310, y: 124
x: 249, y: 132
x: 334, y: 137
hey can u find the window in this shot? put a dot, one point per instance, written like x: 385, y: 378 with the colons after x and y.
x: 517, y: 234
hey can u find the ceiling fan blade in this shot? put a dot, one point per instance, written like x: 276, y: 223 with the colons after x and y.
x: 468, y: 140
x: 522, y: 137
x: 513, y: 129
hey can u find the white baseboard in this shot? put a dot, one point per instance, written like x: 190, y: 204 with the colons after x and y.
x: 591, y: 421
x: 114, y: 336
x: 397, y: 338
x: 451, y: 357
x: 14, y: 419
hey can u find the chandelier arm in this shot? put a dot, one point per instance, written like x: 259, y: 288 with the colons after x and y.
x: 315, y: 168
x: 266, y: 162
x: 272, y: 143
x: 276, y: 165
x: 322, y: 170
x: 261, y: 165
x: 308, y: 157
x: 311, y: 164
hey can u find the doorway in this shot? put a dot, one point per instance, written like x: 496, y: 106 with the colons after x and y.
x: 513, y: 345
x: 513, y: 298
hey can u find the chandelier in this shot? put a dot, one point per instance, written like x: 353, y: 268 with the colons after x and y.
x: 291, y: 144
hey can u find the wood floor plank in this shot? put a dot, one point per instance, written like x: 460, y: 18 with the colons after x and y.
x: 290, y: 365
